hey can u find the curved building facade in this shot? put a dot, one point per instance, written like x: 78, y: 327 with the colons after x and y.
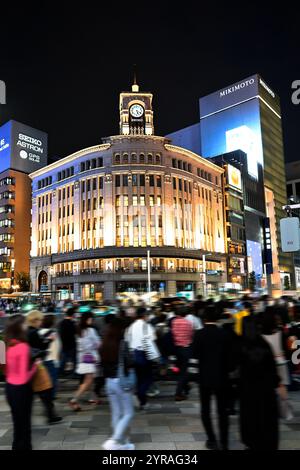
x: 97, y: 213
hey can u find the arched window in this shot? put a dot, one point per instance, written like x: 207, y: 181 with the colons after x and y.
x: 133, y: 158
x: 42, y: 279
x: 117, y: 159
x: 150, y: 158
x: 125, y: 157
x: 142, y: 158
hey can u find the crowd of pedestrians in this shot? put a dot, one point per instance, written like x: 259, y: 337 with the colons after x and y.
x: 242, y: 352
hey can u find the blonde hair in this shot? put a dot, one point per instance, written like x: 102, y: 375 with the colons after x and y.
x: 33, y: 317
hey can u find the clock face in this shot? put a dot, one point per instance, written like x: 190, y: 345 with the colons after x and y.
x: 136, y: 110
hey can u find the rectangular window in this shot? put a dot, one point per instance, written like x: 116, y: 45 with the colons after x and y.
x: 125, y: 180
x: 151, y: 180
x: 134, y: 200
x: 142, y: 180
x: 158, y: 181
x: 117, y: 181
x: 134, y: 180
x: 151, y: 200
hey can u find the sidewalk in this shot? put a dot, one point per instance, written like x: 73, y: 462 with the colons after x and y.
x: 166, y: 426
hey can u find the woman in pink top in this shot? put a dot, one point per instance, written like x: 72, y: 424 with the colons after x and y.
x: 19, y: 372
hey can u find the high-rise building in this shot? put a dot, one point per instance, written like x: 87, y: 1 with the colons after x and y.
x: 292, y: 171
x: 22, y: 150
x: 98, y: 212
x: 247, y: 116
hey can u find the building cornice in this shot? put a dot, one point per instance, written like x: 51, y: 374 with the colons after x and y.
x: 69, y: 159
x: 123, y: 137
x: 195, y: 156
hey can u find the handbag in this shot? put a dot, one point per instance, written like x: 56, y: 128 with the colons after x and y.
x: 88, y: 358
x: 149, y: 346
x: 127, y: 378
x: 41, y: 379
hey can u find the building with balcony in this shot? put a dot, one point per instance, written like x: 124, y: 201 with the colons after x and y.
x: 98, y: 212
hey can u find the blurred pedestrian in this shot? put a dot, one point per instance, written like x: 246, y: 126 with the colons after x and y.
x: 135, y: 337
x: 182, y: 333
x: 258, y: 383
x: 212, y: 349
x: 51, y: 360
x: 88, y: 343
x: 67, y: 334
x: 117, y: 364
x: 39, y: 346
x: 19, y: 372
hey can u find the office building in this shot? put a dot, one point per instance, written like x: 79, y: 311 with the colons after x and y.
x: 22, y: 150
x: 247, y: 116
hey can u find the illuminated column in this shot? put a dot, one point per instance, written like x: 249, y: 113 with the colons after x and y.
x: 54, y: 222
x: 109, y: 231
x: 35, y: 228
x: 148, y: 211
x: 77, y: 216
x: 196, y: 218
x: 168, y: 213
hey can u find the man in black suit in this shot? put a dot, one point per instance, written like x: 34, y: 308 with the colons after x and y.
x: 211, y: 347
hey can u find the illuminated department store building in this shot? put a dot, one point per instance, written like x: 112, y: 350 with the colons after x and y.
x: 97, y: 212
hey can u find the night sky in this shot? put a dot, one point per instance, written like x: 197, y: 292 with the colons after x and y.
x: 64, y: 67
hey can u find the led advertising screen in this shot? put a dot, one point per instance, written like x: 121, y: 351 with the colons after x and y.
x: 22, y: 147
x: 5, y: 145
x: 234, y: 177
x: 235, y: 128
x: 255, y: 261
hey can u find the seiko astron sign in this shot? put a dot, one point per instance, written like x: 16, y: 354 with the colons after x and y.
x: 22, y: 148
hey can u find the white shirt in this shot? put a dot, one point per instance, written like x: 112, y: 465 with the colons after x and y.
x: 137, y: 331
x: 195, y: 321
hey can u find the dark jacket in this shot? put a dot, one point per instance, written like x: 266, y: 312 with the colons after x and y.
x: 211, y: 347
x: 35, y: 340
x: 258, y: 399
x: 67, y: 333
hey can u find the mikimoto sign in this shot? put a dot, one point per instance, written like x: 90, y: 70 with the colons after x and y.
x: 290, y: 234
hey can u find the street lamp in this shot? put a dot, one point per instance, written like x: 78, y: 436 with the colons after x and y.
x: 149, y: 275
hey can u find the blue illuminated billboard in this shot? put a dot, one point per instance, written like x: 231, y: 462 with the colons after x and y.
x: 237, y: 127
x: 5, y: 146
x: 255, y: 261
x: 22, y: 147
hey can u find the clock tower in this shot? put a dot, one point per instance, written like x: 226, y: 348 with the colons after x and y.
x: 136, y: 115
